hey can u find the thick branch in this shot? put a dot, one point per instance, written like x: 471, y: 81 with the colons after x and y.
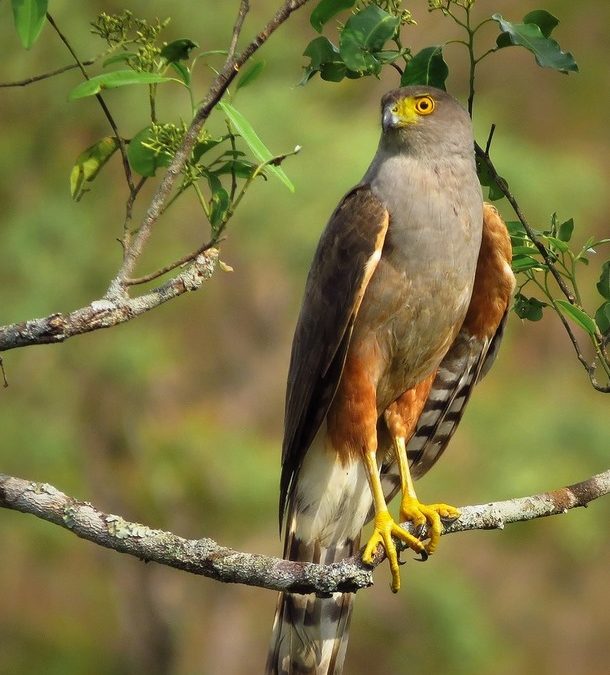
x: 106, y: 312
x: 207, y: 558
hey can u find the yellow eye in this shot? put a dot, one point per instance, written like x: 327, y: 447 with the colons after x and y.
x: 424, y: 105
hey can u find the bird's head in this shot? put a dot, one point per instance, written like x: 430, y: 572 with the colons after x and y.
x: 425, y: 118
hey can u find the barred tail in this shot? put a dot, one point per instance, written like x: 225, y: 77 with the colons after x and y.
x: 327, y: 510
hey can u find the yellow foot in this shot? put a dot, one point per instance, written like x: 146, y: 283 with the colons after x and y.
x: 413, y: 511
x: 385, y: 529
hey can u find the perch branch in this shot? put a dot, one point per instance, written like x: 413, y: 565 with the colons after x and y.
x: 207, y: 558
x: 106, y: 312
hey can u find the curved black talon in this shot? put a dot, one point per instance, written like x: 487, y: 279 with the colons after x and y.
x: 424, y: 556
x: 447, y: 520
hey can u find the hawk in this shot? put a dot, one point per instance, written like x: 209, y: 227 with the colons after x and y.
x: 404, y: 309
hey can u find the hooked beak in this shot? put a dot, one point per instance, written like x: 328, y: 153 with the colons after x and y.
x: 389, y: 119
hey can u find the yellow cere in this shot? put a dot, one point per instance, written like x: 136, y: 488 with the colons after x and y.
x: 409, y: 109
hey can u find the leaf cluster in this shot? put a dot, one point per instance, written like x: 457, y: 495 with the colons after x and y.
x: 534, y: 268
x: 220, y: 168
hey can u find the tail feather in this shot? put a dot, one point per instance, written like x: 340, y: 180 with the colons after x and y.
x: 325, y: 516
x: 310, y: 634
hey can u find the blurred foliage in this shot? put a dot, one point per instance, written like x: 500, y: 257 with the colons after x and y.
x: 175, y: 419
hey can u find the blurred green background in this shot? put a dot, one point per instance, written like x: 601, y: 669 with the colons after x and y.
x: 175, y: 419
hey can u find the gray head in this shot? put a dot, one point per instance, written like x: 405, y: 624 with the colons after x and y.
x: 425, y: 120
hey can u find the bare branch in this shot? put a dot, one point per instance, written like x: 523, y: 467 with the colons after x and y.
x: 45, y: 76
x: 169, y: 267
x: 106, y: 312
x: 244, y: 8
x: 207, y: 558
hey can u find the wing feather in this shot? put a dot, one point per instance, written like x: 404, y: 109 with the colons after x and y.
x: 346, y: 257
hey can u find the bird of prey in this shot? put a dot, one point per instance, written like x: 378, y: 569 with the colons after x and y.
x: 404, y: 308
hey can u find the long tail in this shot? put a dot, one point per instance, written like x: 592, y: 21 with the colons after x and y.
x: 326, y: 513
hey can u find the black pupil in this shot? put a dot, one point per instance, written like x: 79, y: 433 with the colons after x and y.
x: 424, y: 105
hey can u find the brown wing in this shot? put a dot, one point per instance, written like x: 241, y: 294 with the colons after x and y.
x: 469, y: 357
x: 346, y: 257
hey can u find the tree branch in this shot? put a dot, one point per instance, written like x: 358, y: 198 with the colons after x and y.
x: 244, y: 8
x: 45, y: 76
x: 483, y: 156
x: 107, y: 312
x: 215, y: 93
x: 207, y: 558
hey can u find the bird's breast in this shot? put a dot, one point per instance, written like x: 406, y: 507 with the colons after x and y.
x: 419, y: 294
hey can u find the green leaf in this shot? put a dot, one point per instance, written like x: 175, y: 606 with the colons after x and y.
x: 364, y: 34
x: 183, y: 72
x: 119, y: 57
x: 543, y: 19
x: 325, y: 59
x: 219, y: 205
x: 144, y: 160
x: 523, y: 263
x: 558, y: 244
x: 117, y: 78
x: 250, y: 74
x: 240, y: 167
x: 89, y: 163
x: 565, y: 230
x: 426, y: 67
x: 528, y: 308
x: 515, y: 227
x: 202, y: 147
x: 29, y: 17
x: 603, y: 285
x: 258, y: 148
x: 326, y: 9
x: 602, y: 318
x: 546, y: 51
x: 487, y: 180
x: 178, y: 50
x: 577, y: 315
x: 524, y: 250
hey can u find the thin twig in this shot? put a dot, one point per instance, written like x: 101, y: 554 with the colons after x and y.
x: 129, y: 210
x: 397, y: 68
x: 207, y: 558
x: 45, y: 76
x: 492, y: 131
x: 81, y: 66
x: 244, y: 8
x: 168, y: 268
x: 5, y: 381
